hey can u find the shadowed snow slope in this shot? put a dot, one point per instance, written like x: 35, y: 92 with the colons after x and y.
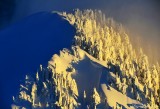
x: 94, y: 73
x: 87, y: 76
x: 91, y: 73
x: 27, y: 44
x: 87, y: 70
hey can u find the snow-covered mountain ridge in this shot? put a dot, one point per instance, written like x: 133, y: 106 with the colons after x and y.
x: 25, y: 45
x: 101, y: 70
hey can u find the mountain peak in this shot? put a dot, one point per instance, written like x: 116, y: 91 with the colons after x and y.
x: 101, y: 70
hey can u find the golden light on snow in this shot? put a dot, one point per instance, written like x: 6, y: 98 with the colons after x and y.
x: 102, y: 69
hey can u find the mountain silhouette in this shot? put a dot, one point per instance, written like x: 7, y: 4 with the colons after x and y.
x: 27, y: 44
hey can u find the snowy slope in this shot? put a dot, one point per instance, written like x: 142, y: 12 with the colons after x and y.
x: 89, y: 76
x: 27, y: 44
x: 83, y: 69
x: 114, y: 97
x: 101, y: 70
x: 87, y: 72
x: 130, y: 71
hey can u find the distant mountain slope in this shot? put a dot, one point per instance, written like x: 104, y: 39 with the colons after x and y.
x: 27, y: 44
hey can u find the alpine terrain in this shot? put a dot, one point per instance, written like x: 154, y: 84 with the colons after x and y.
x: 100, y: 70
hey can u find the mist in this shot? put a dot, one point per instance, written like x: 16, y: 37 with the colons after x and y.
x: 140, y: 17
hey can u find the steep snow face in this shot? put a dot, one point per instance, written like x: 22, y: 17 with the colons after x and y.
x: 85, y: 74
x: 27, y: 44
x: 83, y: 69
x: 55, y: 86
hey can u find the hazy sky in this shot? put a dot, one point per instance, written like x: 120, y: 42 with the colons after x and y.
x: 140, y: 17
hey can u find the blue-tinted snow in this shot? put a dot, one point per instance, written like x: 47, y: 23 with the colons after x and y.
x: 27, y: 44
